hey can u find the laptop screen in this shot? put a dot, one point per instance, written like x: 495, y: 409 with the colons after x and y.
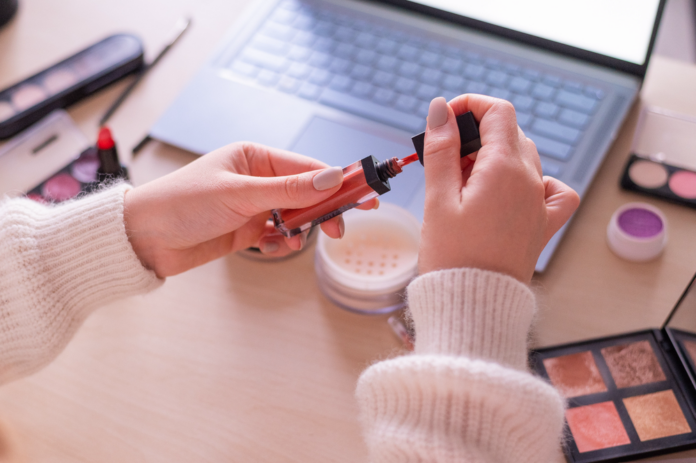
x: 617, y: 28
x: 603, y: 31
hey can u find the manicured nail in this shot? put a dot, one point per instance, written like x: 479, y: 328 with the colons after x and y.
x: 376, y: 204
x: 437, y: 113
x: 341, y: 227
x: 268, y: 247
x: 303, y: 240
x: 328, y: 178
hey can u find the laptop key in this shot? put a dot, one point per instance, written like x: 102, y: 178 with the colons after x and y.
x: 245, y: 69
x: 361, y: 72
x: 404, y: 85
x: 427, y: 92
x: 474, y: 71
x: 339, y: 66
x: 546, y: 110
x: 549, y: 147
x: 386, y: 46
x: 320, y: 76
x: 362, y: 89
x: 387, y: 63
x: 383, y: 79
x: 365, y: 57
x: 455, y: 83
x: 303, y: 38
x: 345, y: 50
x: 476, y: 87
x: 531, y: 74
x: 551, y: 80
x: 523, y: 119
x: 497, y: 78
x: 268, y: 78
x: 299, y: 54
x: 576, y: 101
x: 384, y: 96
x: 409, y: 69
x: 423, y: 109
x: 341, y: 83
x: 288, y: 84
x: 323, y: 44
x: 573, y: 118
x: 556, y: 131
x: 572, y: 86
x: 344, y: 34
x: 320, y: 60
x: 408, y: 53
x: 309, y: 91
x: 543, y: 91
x: 519, y: 85
x: 366, y: 40
x: 405, y: 103
x: 299, y: 70
x: 431, y: 76
x: 594, y: 92
x: 451, y: 65
x: 429, y: 59
x: 373, y: 111
x: 450, y: 95
x: 522, y: 102
x: 501, y: 93
x: 278, y: 31
x: 264, y: 60
x: 270, y: 45
x: 550, y: 168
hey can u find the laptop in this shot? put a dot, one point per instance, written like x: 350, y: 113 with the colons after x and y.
x: 340, y: 80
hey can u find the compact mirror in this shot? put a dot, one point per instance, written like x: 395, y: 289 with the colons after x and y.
x: 680, y: 327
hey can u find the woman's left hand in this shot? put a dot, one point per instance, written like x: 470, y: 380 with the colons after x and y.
x: 221, y: 203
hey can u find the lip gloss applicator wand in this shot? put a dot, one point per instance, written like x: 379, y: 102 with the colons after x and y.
x: 366, y: 179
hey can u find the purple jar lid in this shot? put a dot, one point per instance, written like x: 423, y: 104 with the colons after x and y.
x: 640, y: 223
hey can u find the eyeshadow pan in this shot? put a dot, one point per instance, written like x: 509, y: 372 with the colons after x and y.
x: 683, y: 183
x: 648, y: 174
x: 575, y: 374
x: 690, y: 347
x: 656, y: 415
x: 633, y: 364
x: 596, y: 427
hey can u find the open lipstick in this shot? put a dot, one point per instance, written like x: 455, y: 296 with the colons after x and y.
x: 367, y: 179
x: 109, y: 165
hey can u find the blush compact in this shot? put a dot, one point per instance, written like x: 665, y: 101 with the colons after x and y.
x: 662, y: 164
x: 631, y: 395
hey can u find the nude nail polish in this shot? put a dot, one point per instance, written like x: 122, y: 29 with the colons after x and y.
x: 438, y: 112
x: 328, y: 178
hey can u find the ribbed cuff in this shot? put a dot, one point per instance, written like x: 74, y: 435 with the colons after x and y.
x: 473, y: 313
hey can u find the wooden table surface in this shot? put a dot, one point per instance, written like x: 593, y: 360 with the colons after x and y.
x: 246, y: 361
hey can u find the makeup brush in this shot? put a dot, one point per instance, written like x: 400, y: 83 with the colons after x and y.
x: 179, y: 30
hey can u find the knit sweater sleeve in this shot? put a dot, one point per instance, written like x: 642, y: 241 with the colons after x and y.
x: 57, y: 264
x: 465, y: 394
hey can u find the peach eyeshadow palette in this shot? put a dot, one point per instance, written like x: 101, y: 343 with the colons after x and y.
x: 631, y: 395
x: 659, y: 179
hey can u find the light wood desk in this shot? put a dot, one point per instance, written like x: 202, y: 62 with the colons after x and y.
x: 246, y: 361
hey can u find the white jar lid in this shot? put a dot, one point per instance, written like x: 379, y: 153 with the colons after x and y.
x: 637, y: 232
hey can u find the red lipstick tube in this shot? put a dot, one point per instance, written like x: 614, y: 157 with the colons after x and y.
x: 362, y: 181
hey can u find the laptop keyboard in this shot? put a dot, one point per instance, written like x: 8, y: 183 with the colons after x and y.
x: 387, y: 75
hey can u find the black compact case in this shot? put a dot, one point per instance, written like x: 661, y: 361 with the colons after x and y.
x: 629, y: 396
x: 664, y: 190
x: 68, y: 81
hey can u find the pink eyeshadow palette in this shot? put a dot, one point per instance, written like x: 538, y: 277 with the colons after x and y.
x: 68, y: 81
x: 659, y: 179
x: 627, y: 397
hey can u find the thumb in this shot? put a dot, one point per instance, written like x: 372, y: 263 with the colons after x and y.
x: 441, y: 161
x: 292, y: 191
x: 561, y: 203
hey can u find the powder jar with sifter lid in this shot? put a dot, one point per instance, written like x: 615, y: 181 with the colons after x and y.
x: 367, y: 271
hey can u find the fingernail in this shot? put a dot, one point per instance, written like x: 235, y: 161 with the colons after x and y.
x: 328, y: 178
x: 303, y: 240
x: 341, y: 227
x: 376, y: 204
x: 268, y: 247
x: 438, y: 112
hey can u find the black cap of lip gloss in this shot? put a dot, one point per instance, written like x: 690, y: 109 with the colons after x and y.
x: 468, y: 135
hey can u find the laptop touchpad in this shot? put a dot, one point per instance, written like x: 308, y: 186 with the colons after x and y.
x: 339, y: 145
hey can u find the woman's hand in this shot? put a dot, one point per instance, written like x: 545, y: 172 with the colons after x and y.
x: 495, y: 211
x: 221, y: 202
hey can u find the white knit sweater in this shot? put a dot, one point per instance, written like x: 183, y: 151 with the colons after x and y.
x: 464, y: 395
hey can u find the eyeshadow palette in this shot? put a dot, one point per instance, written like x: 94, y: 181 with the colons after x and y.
x: 662, y: 164
x: 68, y: 81
x: 50, y: 162
x: 629, y: 396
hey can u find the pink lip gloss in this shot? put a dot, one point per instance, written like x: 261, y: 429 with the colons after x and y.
x: 364, y: 180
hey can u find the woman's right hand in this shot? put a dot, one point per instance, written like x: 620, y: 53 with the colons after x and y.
x: 495, y: 211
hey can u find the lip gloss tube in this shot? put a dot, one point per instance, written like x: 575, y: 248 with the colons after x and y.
x: 362, y: 181
x: 366, y: 179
